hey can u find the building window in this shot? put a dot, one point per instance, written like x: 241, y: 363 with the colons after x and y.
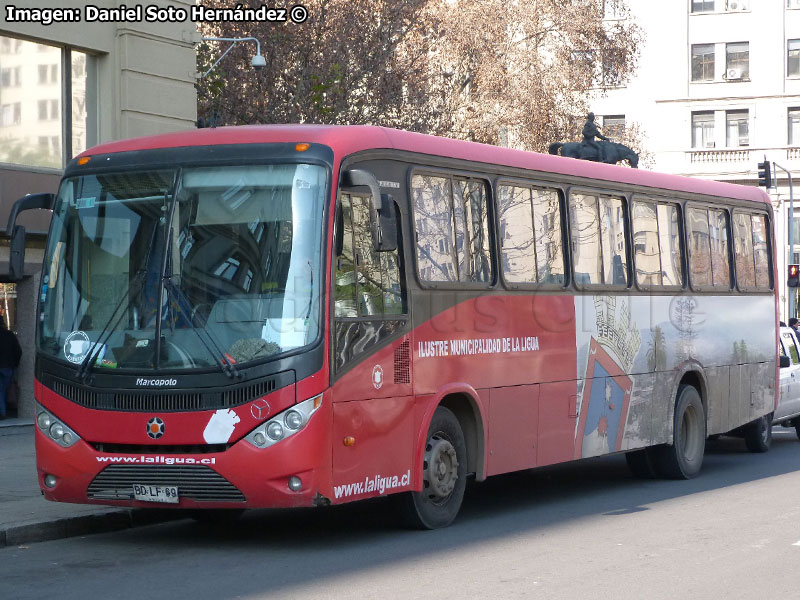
x: 702, y: 130
x: 702, y: 6
x: 737, y: 128
x: 702, y: 62
x: 614, y: 126
x: 55, y: 103
x: 737, y: 61
x: 792, y: 3
x: 613, y: 9
x: 793, y: 59
x: 794, y: 126
x: 737, y: 5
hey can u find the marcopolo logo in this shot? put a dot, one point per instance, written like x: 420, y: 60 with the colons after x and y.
x: 141, y: 381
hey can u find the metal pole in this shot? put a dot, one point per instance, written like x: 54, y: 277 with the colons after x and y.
x: 791, y: 234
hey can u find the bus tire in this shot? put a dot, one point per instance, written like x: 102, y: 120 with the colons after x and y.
x: 444, y: 475
x: 641, y: 463
x: 683, y: 459
x: 758, y: 434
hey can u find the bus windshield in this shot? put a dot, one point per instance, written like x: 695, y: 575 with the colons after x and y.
x: 183, y: 268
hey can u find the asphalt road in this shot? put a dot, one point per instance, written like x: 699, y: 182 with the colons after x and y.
x: 574, y: 531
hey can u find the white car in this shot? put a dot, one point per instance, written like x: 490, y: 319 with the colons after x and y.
x: 788, y: 411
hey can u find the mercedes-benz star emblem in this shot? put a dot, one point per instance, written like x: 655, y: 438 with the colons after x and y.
x: 259, y: 409
x: 155, y: 428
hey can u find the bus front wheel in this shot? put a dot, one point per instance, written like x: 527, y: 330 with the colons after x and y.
x: 444, y: 471
x: 683, y: 459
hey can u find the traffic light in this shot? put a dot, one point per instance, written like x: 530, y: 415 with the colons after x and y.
x: 764, y: 174
x: 794, y: 276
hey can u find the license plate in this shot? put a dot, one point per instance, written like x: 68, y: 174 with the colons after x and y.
x: 154, y: 493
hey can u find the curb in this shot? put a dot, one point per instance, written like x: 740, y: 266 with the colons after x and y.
x: 104, y: 522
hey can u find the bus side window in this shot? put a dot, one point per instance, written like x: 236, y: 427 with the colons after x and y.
x: 720, y: 265
x: 699, y: 247
x: 530, y: 235
x: 760, y: 249
x: 452, y: 229
x: 669, y: 235
x: 743, y: 250
x: 647, y: 256
x: 598, y: 239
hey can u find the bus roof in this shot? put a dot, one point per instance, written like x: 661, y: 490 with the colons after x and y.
x: 347, y: 139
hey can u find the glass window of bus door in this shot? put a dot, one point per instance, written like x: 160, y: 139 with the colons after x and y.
x: 372, y: 284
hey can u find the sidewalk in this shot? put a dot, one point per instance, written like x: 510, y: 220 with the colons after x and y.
x: 26, y: 517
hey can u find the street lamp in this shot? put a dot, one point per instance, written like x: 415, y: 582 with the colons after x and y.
x: 258, y: 61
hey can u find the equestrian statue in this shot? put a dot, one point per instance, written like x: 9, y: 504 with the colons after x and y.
x: 606, y: 151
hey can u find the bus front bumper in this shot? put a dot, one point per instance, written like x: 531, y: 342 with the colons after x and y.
x: 242, y: 476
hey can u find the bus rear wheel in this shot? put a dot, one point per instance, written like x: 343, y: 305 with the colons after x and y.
x: 444, y: 471
x: 683, y: 459
x: 758, y: 434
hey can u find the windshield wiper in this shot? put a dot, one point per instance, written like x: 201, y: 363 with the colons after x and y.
x: 94, y: 349
x: 183, y: 303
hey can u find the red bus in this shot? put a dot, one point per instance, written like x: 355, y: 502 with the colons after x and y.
x: 280, y: 316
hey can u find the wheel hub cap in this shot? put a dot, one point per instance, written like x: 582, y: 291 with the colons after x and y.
x: 442, y: 471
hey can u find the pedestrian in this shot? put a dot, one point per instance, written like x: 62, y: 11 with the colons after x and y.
x: 794, y: 323
x: 10, y: 353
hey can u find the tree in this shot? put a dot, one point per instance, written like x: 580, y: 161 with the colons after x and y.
x: 518, y: 72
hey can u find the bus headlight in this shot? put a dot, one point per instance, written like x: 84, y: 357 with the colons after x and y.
x: 55, y: 429
x: 285, y: 424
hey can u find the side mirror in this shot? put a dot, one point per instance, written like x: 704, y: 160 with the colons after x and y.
x: 383, y: 217
x: 387, y: 219
x: 16, y: 255
x: 785, y: 362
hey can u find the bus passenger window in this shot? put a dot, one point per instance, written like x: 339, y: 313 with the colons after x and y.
x: 669, y: 237
x: 585, y: 233
x: 760, y: 249
x: 515, y: 213
x: 647, y: 256
x: 743, y: 250
x: 530, y: 235
x: 718, y: 237
x: 699, y: 247
x: 547, y: 222
x: 612, y: 228
x: 434, y: 223
x: 452, y: 229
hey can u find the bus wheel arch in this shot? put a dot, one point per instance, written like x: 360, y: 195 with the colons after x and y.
x: 466, y: 410
x: 443, y: 473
